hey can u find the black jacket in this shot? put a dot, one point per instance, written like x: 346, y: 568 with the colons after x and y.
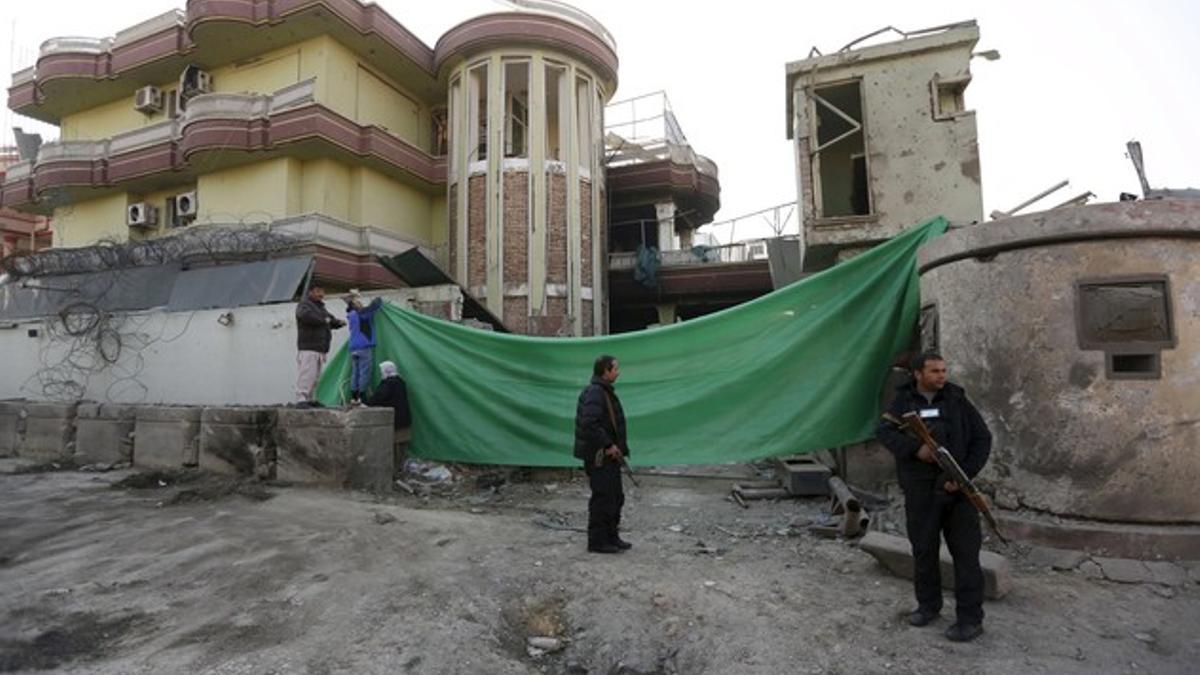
x: 313, y: 324
x: 959, y: 427
x: 393, y: 393
x: 594, y: 428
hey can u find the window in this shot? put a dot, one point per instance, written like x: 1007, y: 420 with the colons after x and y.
x: 556, y: 77
x: 172, y: 97
x: 583, y: 101
x: 441, y: 133
x: 478, y: 111
x: 516, y: 109
x: 839, y: 160
x: 1130, y: 320
x: 930, y: 328
x: 948, y: 95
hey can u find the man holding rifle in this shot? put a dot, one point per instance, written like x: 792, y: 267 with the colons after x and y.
x: 934, y: 503
x: 600, y: 443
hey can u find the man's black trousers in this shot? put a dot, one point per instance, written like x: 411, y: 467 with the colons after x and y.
x: 604, y: 506
x: 931, y: 513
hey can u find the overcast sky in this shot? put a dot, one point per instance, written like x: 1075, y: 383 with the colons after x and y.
x: 1075, y: 82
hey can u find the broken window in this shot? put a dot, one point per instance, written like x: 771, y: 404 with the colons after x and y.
x: 477, y: 113
x: 839, y: 158
x: 516, y: 109
x: 1130, y: 320
x: 949, y: 97
x: 556, y: 77
x: 441, y: 132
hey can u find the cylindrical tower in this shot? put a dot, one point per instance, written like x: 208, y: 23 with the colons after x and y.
x: 525, y: 178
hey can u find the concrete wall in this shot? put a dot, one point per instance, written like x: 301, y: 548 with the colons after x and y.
x: 258, y: 192
x: 83, y: 223
x: 187, y: 357
x: 1069, y: 439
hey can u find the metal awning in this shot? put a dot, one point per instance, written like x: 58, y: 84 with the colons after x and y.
x: 416, y: 270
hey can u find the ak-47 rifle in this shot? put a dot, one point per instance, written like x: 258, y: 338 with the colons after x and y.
x: 947, y: 463
x: 600, y: 453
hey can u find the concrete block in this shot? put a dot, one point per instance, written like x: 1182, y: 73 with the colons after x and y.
x: 1126, y: 571
x: 104, y: 433
x: 49, y: 431
x: 166, y: 437
x: 11, y: 424
x: 804, y: 476
x: 1055, y: 558
x: 337, y: 448
x: 236, y: 440
x: 895, y: 554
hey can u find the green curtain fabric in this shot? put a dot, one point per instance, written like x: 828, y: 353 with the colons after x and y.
x: 797, y: 370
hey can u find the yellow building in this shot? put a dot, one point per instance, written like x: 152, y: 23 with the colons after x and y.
x: 332, y: 121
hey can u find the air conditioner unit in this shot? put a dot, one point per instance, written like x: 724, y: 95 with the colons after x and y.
x: 148, y: 100
x: 186, y: 205
x: 194, y: 82
x: 141, y: 214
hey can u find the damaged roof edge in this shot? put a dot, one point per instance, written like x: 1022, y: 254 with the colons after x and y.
x: 954, y: 35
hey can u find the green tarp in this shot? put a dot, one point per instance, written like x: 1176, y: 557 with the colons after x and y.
x: 797, y: 370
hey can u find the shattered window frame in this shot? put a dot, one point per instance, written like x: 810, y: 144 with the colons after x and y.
x: 858, y: 127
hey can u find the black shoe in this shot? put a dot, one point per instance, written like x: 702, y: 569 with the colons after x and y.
x: 964, y: 632
x: 603, y: 548
x: 622, y: 544
x: 921, y: 617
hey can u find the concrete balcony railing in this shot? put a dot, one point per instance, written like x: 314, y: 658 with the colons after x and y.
x: 18, y: 171
x: 337, y: 234
x: 22, y: 76
x: 91, y: 45
x: 739, y: 252
x: 75, y: 45
x: 65, y: 151
x: 175, y: 18
x: 248, y: 106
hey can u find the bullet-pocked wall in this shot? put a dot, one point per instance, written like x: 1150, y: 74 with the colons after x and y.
x: 1077, y: 332
x: 525, y: 186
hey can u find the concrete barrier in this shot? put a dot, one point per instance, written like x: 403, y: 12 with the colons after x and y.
x: 48, y: 433
x: 166, y: 437
x: 895, y: 554
x: 237, y: 441
x: 104, y: 433
x: 338, y: 448
x: 11, y: 424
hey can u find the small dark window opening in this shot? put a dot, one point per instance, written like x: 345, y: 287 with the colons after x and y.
x: 1135, y: 366
x: 929, y: 329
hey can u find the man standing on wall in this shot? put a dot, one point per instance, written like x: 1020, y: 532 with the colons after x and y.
x: 600, y: 443
x: 934, y: 504
x: 314, y: 325
x: 362, y: 343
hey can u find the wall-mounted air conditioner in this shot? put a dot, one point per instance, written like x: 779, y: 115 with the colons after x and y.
x: 141, y: 214
x: 186, y: 205
x: 148, y: 100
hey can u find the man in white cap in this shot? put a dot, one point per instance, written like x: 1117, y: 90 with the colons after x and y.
x: 393, y: 393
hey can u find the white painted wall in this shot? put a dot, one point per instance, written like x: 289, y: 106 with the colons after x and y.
x: 180, y: 357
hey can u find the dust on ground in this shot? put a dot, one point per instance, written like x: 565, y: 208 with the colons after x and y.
x: 136, y: 579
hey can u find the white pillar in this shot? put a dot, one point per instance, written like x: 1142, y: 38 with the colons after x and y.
x: 665, y: 213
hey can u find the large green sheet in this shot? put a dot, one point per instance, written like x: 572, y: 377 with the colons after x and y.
x: 797, y: 370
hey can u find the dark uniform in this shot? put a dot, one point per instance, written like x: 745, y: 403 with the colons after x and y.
x: 600, y: 423
x: 928, y: 508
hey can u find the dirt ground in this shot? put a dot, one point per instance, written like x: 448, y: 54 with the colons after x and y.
x: 164, y: 576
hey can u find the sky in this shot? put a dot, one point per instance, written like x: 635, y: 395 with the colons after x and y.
x: 1075, y: 82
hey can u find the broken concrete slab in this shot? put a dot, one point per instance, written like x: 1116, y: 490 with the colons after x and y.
x: 237, y: 440
x: 166, y: 437
x: 10, y: 426
x: 48, y: 433
x: 803, y: 476
x: 1055, y: 558
x: 1126, y: 571
x: 337, y: 448
x: 104, y: 433
x: 895, y: 554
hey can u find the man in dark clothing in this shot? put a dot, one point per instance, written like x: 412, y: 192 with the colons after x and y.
x: 600, y: 443
x: 933, y: 504
x: 392, y: 393
x: 314, y: 326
